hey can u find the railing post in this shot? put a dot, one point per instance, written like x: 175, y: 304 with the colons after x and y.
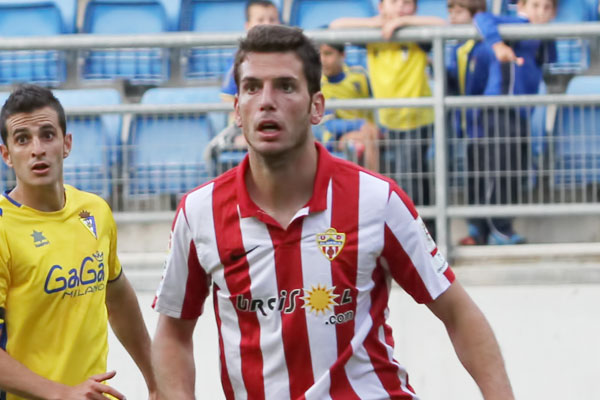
x: 440, y: 144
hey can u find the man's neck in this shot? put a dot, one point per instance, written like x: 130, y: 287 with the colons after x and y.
x: 41, y: 198
x: 282, y: 187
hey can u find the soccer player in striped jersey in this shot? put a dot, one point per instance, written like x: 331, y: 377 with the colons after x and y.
x: 299, y: 249
x: 60, y: 278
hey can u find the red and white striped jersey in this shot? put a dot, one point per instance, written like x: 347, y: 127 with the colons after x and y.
x: 301, y: 312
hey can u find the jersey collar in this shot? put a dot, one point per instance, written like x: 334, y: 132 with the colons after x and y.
x: 336, y: 78
x: 318, y: 201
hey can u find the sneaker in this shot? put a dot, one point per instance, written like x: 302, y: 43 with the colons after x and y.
x: 500, y: 239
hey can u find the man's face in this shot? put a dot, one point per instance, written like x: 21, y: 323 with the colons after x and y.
x: 459, y: 15
x: 273, y: 106
x: 389, y: 9
x: 261, y: 15
x: 538, y: 11
x: 35, y: 147
x: 332, y: 60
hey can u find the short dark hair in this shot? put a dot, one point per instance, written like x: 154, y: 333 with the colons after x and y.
x: 279, y: 38
x: 336, y: 46
x: 27, y: 98
x: 473, y: 6
x: 261, y: 3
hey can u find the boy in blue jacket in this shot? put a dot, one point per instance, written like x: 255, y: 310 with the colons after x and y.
x: 502, y: 158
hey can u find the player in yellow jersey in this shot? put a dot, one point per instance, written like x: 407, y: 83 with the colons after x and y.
x: 60, y: 278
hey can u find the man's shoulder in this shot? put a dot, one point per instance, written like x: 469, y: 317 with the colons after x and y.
x: 204, y: 192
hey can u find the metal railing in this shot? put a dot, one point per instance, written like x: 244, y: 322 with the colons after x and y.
x: 445, y: 205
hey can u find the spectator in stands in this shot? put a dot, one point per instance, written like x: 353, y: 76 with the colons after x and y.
x: 398, y: 70
x: 517, y: 70
x: 258, y: 12
x: 467, y: 74
x: 354, y: 128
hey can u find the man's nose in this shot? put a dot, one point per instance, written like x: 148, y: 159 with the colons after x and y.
x: 267, y: 99
x: 37, y: 148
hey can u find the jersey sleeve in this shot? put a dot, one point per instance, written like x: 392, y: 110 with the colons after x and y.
x: 114, y: 265
x: 410, y: 253
x: 4, y: 274
x: 487, y: 25
x: 185, y: 284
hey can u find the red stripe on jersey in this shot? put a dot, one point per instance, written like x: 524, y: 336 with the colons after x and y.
x: 196, y: 287
x: 294, y: 329
x: 449, y: 274
x: 402, y: 269
x: 237, y: 276
x: 344, y: 271
x: 225, y: 382
x: 389, y: 339
x: 387, y: 372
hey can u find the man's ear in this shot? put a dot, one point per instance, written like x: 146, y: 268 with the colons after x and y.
x: 236, y: 112
x: 5, y: 155
x: 317, y: 108
x: 68, y: 143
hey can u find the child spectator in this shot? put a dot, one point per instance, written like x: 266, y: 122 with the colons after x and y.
x: 518, y: 70
x: 258, y: 12
x: 343, y: 126
x: 467, y: 74
x: 398, y: 70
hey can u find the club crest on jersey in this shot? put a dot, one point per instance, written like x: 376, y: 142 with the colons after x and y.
x: 331, y: 243
x: 89, y: 222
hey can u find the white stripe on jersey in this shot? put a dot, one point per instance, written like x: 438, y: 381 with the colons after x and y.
x: 390, y: 351
x: 370, y: 236
x: 316, y: 270
x: 200, y: 209
x: 256, y: 239
x: 409, y: 232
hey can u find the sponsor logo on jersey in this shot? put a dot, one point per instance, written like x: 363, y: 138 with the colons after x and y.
x: 89, y: 222
x: 331, y: 242
x: 74, y: 282
x: 319, y: 300
x: 39, y: 239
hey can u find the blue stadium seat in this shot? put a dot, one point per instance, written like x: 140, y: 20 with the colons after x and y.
x: 96, y: 153
x: 167, y: 151
x: 139, y: 66
x: 312, y: 14
x: 573, y: 55
x: 435, y: 8
x: 210, y: 63
x: 43, y: 67
x: 577, y: 137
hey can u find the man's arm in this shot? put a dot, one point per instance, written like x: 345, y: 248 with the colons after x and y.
x: 389, y: 27
x: 127, y: 322
x: 487, y: 25
x: 473, y: 341
x: 18, y: 379
x: 173, y: 357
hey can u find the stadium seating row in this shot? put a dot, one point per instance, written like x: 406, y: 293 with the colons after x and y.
x: 152, y: 66
x: 165, y: 154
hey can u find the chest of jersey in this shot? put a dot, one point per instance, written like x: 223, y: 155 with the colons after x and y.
x: 65, y: 257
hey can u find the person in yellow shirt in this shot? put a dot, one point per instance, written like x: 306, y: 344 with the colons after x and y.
x: 398, y: 70
x: 348, y: 127
x: 60, y: 278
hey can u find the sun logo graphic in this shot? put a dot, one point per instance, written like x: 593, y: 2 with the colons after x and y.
x: 319, y: 299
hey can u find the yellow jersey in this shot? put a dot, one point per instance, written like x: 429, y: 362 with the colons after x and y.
x: 352, y: 83
x: 398, y: 70
x: 54, y: 269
